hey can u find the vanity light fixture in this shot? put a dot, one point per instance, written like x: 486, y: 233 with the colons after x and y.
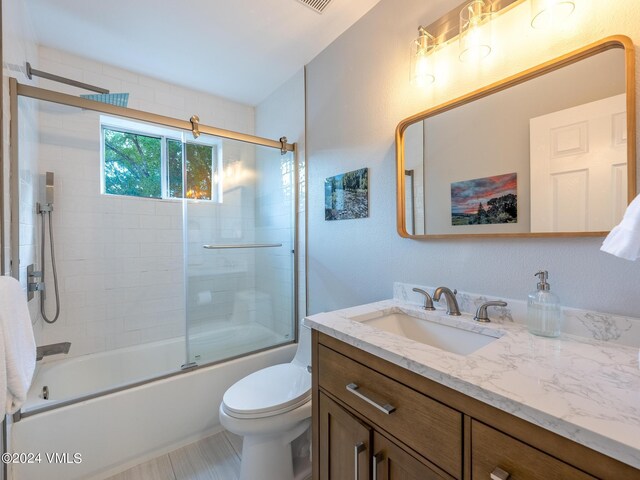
x: 475, y: 30
x: 546, y: 14
x: 471, y: 23
x: 422, y: 49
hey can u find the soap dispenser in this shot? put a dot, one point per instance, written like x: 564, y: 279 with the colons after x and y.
x: 543, y: 309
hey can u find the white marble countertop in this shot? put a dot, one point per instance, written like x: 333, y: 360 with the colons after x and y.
x: 583, y: 389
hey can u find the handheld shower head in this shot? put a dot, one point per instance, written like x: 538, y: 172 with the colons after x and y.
x: 48, y: 188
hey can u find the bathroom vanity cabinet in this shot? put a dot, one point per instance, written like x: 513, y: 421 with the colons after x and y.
x: 375, y: 420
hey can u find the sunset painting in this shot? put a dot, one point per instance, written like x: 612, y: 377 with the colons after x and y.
x: 485, y: 200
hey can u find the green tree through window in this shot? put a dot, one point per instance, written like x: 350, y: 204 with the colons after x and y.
x: 133, y: 166
x: 199, y: 170
x: 174, y: 168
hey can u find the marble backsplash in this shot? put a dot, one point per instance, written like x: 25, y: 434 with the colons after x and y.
x: 583, y: 323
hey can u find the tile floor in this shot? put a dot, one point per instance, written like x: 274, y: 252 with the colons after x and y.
x: 213, y: 458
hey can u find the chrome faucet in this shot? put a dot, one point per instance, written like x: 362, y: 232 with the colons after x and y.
x: 452, y: 303
x: 52, y: 349
x: 428, y: 302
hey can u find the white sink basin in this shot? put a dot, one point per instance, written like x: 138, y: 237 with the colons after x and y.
x: 451, y: 339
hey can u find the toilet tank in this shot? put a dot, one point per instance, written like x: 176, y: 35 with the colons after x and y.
x: 303, y: 353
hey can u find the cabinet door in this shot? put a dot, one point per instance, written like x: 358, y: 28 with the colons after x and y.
x: 390, y: 462
x: 344, y: 444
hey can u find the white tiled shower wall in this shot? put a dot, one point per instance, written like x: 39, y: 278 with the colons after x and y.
x: 120, y: 259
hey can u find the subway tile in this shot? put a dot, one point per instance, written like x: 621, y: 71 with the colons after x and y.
x: 156, y: 221
x: 138, y: 92
x: 102, y: 81
x: 51, y: 54
x: 142, y: 206
x: 83, y: 63
x: 170, y: 99
x: 157, y: 250
x: 168, y: 208
x: 120, y: 73
x: 153, y: 82
x: 120, y: 220
x: 122, y: 250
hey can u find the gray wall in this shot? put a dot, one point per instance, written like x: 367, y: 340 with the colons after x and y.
x: 358, y: 90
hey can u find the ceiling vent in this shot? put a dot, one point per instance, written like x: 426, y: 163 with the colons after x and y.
x: 316, y: 5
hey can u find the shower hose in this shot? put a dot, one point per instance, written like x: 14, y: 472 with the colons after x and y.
x: 53, y: 268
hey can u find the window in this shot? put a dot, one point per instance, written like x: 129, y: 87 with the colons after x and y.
x: 144, y: 161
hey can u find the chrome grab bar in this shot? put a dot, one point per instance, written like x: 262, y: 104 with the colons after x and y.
x: 357, y: 449
x: 242, y: 245
x: 386, y: 408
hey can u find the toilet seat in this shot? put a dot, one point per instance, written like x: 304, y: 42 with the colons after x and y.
x: 268, y: 392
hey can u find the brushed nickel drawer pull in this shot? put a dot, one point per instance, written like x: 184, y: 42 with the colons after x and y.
x: 386, y: 408
x: 499, y: 474
x: 357, y: 449
x: 377, y: 458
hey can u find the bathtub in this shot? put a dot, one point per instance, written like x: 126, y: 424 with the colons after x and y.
x: 77, y: 377
x: 114, y: 431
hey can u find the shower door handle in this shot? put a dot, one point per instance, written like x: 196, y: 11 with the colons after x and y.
x: 242, y: 245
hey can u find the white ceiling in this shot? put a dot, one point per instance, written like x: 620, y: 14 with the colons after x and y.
x: 239, y: 49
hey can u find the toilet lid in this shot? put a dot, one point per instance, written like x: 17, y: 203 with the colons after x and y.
x: 268, y: 392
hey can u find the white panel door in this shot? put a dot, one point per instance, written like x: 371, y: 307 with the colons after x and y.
x: 579, y: 167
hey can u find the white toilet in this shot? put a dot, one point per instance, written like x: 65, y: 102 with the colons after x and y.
x: 270, y: 408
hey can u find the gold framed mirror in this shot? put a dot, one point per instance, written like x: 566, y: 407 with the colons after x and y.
x: 549, y: 152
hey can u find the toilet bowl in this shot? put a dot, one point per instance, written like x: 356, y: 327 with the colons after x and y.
x: 270, y: 409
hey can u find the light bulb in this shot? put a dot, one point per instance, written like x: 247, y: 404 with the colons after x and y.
x: 422, y: 58
x: 548, y: 14
x: 475, y: 31
x: 424, y: 74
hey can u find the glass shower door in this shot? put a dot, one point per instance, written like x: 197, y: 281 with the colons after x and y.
x: 239, y: 237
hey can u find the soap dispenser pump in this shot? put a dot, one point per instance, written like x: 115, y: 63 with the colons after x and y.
x: 544, y: 317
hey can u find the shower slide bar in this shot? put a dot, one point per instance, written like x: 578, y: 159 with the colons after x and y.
x: 242, y: 245
x: 84, y: 103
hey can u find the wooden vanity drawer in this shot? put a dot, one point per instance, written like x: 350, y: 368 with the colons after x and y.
x: 491, y: 449
x: 430, y: 428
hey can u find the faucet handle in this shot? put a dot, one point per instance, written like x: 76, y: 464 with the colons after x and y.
x: 481, y: 312
x: 428, y: 301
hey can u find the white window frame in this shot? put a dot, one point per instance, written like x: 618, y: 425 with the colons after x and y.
x: 164, y: 134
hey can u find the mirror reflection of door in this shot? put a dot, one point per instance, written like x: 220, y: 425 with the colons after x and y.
x: 414, y: 191
x: 410, y: 212
x: 579, y: 167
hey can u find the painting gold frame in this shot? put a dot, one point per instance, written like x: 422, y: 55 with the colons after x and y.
x: 608, y: 43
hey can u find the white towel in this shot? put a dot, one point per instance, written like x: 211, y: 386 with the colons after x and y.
x: 3, y: 375
x: 18, y: 342
x: 624, y: 239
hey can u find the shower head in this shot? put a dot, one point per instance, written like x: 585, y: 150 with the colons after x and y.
x: 48, y: 188
x: 117, y: 99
